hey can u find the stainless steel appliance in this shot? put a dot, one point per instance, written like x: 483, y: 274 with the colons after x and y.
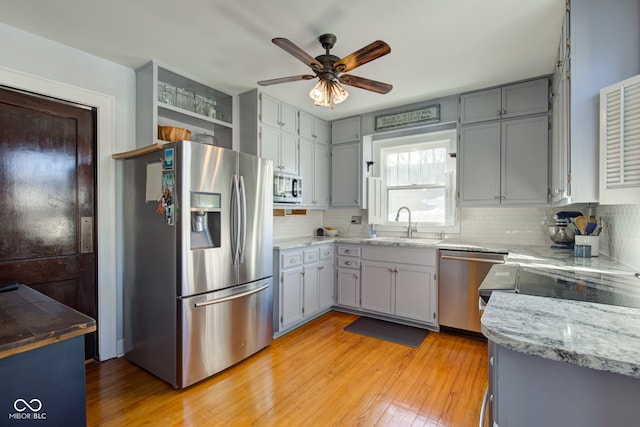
x: 198, y: 260
x: 287, y: 188
x: 460, y: 275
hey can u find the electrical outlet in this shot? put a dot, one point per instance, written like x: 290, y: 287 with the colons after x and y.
x: 356, y: 219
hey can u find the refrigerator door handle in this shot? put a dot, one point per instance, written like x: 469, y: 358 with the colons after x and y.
x: 235, y: 220
x: 243, y: 219
x: 232, y: 297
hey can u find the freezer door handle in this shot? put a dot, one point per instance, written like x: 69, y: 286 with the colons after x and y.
x: 242, y: 238
x: 231, y: 297
x: 460, y: 258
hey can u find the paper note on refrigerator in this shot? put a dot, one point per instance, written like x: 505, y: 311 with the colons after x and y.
x: 154, y: 182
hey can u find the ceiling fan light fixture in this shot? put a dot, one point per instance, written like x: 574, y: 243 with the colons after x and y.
x: 327, y: 93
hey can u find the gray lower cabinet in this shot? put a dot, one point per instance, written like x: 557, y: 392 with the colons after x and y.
x: 504, y: 162
x: 527, y: 390
x: 348, y: 275
x: 306, y: 286
x: 399, y: 282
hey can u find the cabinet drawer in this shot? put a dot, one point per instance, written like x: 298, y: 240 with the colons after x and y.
x: 348, y: 262
x: 290, y: 259
x: 326, y: 252
x: 311, y: 255
x: 426, y: 257
x: 349, y: 250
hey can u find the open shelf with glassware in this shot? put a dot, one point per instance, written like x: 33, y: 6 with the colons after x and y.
x: 166, y: 97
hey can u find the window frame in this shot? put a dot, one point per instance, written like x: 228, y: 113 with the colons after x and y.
x: 452, y: 224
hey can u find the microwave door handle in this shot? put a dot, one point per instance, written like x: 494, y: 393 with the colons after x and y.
x: 242, y: 236
x: 294, y: 187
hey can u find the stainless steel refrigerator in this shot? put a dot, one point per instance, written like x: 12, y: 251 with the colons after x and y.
x: 197, y: 260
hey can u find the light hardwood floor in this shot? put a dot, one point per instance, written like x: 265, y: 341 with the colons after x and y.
x: 317, y: 375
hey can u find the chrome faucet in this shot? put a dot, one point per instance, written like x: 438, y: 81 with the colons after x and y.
x: 410, y: 228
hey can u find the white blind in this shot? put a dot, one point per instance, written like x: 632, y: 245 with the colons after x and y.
x: 622, y: 167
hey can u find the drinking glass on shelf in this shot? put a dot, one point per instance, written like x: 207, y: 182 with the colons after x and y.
x: 186, y: 98
x: 166, y: 93
x: 201, y: 105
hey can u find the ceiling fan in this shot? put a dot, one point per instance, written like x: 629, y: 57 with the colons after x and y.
x: 329, y: 68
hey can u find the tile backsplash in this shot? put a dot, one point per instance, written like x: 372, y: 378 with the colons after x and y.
x: 620, y: 238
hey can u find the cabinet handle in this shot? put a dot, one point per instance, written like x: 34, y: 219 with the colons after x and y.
x: 499, y: 112
x: 497, y: 197
x: 321, y: 268
x: 348, y: 263
x: 503, y: 198
x: 327, y: 252
x: 491, y: 361
x: 355, y: 276
x: 292, y: 260
x: 347, y: 251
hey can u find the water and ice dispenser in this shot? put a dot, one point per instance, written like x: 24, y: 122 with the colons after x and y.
x: 205, y: 220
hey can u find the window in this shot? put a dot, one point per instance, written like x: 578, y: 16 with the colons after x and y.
x: 417, y: 172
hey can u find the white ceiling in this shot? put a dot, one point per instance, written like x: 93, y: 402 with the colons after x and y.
x: 438, y: 47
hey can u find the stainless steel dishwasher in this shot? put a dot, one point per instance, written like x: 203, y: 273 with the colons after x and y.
x: 460, y: 276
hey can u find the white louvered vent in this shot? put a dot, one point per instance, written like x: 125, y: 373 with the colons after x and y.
x: 620, y: 142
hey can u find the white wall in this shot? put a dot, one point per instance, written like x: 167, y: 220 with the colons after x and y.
x: 57, y: 70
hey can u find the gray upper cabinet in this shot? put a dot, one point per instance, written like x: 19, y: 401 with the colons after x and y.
x: 514, y: 100
x: 277, y: 114
x: 167, y: 97
x: 312, y: 128
x: 346, y: 130
x: 590, y: 57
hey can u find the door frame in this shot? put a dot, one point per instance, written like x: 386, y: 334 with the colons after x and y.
x: 105, y: 191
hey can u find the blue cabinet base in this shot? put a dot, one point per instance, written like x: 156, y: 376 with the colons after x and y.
x: 45, y: 386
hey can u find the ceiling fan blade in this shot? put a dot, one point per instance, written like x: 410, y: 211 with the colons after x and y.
x: 363, y: 83
x: 368, y: 53
x: 300, y: 54
x: 286, y: 79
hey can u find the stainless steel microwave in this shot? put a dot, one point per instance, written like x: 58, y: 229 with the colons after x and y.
x: 287, y: 188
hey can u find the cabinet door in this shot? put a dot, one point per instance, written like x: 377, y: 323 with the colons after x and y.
x: 321, y: 176
x: 345, y: 130
x: 560, y: 139
x: 311, y: 303
x: 326, y: 284
x: 289, y: 153
x: 525, y: 160
x: 269, y: 111
x: 349, y: 287
x: 321, y: 131
x: 414, y: 287
x: 288, y: 118
x: 291, y: 286
x: 270, y: 146
x: 377, y: 286
x: 525, y: 98
x: 480, y: 106
x: 479, y: 161
x: 345, y: 175
x: 307, y: 169
x: 306, y: 125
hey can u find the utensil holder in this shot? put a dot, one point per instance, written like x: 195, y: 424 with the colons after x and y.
x: 593, y: 241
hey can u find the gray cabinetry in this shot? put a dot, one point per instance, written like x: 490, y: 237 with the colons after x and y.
x: 348, y: 265
x: 269, y: 129
x: 400, y: 283
x: 505, y: 161
x: 600, y: 45
x: 315, y: 167
x: 313, y: 128
x: 526, y: 390
x: 306, y: 285
x: 346, y: 175
x: 346, y: 130
x: 167, y: 97
x: 508, y: 101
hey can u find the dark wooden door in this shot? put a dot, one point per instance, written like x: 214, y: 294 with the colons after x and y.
x: 47, y: 188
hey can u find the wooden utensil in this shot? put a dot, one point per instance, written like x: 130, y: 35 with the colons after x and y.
x: 592, y: 219
x: 581, y: 223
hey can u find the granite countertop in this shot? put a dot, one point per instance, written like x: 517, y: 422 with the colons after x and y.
x: 597, y: 336
x: 31, y: 320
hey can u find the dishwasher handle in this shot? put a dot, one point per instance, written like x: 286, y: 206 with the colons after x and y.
x: 461, y: 258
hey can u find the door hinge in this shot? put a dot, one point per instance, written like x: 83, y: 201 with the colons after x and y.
x: 568, y: 5
x: 569, y: 178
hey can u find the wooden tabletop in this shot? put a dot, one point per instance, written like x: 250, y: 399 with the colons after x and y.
x: 29, y: 320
